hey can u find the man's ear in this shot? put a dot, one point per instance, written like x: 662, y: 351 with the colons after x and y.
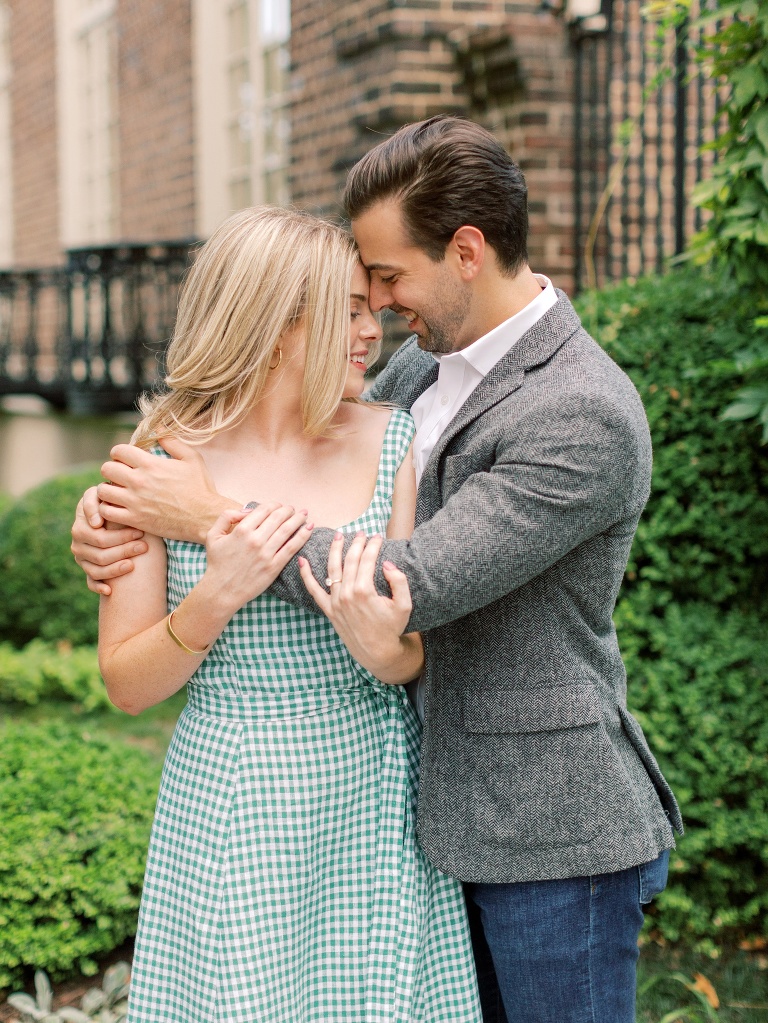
x: 468, y: 249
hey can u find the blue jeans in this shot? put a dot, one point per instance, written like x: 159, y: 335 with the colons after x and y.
x: 561, y: 951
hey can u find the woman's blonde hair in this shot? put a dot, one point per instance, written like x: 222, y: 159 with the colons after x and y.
x: 262, y: 272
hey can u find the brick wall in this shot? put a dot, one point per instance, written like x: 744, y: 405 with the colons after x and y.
x: 33, y: 134
x: 363, y: 68
x: 155, y: 149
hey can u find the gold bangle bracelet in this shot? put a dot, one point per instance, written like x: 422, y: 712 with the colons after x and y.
x: 177, y: 641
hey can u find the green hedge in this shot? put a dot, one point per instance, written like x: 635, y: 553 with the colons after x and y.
x: 43, y: 592
x: 693, y: 615
x: 704, y: 534
x: 76, y: 812
x: 48, y: 671
x: 698, y: 684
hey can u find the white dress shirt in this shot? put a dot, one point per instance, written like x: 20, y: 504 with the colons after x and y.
x: 461, y: 372
x: 458, y: 376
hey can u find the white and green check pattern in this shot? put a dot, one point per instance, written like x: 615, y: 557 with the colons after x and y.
x: 284, y: 883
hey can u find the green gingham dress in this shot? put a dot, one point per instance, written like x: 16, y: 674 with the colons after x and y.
x: 284, y: 883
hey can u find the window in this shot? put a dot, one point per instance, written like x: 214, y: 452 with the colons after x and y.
x: 87, y: 45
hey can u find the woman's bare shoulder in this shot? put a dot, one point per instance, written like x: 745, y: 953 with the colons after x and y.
x: 365, y: 416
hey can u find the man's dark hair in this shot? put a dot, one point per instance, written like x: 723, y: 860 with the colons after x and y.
x: 446, y: 172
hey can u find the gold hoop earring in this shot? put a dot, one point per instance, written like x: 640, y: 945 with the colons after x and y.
x: 279, y: 358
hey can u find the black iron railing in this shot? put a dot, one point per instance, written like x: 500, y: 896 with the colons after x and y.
x: 90, y: 336
x: 621, y: 92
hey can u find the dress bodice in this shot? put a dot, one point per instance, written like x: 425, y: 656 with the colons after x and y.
x: 290, y: 659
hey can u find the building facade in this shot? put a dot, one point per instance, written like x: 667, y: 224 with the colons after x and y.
x: 136, y: 120
x: 365, y: 67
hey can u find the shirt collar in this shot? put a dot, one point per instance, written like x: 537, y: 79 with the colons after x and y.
x: 483, y: 354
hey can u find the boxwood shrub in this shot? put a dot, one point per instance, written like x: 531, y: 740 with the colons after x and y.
x: 693, y: 615
x: 698, y: 684
x: 76, y: 812
x: 704, y: 534
x: 42, y: 591
x: 51, y: 671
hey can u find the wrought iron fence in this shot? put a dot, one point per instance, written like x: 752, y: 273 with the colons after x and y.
x: 625, y: 114
x: 90, y: 336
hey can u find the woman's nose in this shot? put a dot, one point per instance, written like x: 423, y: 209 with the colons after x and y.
x: 371, y: 329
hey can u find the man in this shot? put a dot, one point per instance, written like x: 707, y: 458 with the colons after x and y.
x: 533, y: 454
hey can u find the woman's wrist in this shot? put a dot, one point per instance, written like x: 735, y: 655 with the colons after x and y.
x: 220, y: 599
x: 401, y: 663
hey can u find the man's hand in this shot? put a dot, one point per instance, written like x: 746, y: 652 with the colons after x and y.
x: 99, y: 551
x: 167, y: 497
x: 170, y: 497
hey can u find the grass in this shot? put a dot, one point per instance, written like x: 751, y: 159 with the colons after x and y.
x: 739, y: 978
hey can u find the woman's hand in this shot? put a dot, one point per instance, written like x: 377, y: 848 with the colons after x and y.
x: 247, y: 550
x: 369, y: 625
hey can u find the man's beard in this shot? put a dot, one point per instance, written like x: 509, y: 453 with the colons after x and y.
x: 440, y: 337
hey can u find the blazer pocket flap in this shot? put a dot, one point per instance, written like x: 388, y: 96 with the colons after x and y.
x: 539, y: 709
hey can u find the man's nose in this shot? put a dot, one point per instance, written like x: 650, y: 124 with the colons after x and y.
x: 379, y: 297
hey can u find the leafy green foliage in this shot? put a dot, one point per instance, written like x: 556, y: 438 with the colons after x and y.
x: 43, y: 592
x: 736, y: 194
x: 47, y: 671
x: 698, y: 684
x: 692, y: 617
x: 76, y: 812
x: 703, y: 534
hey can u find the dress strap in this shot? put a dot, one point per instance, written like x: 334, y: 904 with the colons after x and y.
x: 397, y: 440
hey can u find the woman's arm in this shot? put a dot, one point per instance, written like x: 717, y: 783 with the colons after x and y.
x: 141, y: 662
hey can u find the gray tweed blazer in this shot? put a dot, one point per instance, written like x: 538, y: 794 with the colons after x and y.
x: 531, y: 765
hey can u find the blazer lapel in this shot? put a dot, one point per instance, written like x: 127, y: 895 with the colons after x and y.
x: 535, y: 347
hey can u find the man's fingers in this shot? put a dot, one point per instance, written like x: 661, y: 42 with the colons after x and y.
x: 89, y: 507
x: 398, y: 583
x: 99, y: 573
x: 111, y: 494
x: 117, y: 473
x: 103, y: 589
x: 321, y: 598
x: 86, y: 554
x: 116, y: 513
x: 85, y: 537
x: 178, y: 449
x: 129, y: 454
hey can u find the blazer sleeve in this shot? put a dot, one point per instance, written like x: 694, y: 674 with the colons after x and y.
x: 389, y: 381
x: 567, y: 471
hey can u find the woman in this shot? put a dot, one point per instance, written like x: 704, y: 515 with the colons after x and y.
x: 284, y: 882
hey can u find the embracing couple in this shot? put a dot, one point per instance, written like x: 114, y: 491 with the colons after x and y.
x: 465, y: 528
